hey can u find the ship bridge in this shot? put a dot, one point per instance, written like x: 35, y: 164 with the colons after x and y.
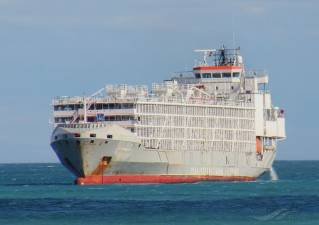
x: 216, y: 64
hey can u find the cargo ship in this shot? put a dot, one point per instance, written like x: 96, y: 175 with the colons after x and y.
x: 214, y: 123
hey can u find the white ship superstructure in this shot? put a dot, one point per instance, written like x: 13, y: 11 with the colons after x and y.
x: 215, y: 123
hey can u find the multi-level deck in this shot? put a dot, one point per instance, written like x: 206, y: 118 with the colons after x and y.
x: 220, y: 117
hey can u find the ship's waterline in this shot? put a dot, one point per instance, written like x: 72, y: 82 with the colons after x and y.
x: 219, y: 124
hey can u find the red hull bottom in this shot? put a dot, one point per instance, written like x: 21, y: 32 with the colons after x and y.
x: 144, y: 179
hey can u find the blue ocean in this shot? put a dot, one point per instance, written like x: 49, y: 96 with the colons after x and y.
x: 44, y: 194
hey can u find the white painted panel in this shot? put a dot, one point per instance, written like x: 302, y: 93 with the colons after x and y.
x: 259, y: 115
x: 276, y: 128
x: 262, y: 80
x: 267, y: 101
x: 281, y: 128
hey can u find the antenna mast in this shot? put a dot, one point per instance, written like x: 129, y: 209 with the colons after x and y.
x: 206, y: 53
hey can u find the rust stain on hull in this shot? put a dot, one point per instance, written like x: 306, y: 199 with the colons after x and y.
x: 103, y: 164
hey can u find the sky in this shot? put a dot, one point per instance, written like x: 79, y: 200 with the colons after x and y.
x: 75, y: 47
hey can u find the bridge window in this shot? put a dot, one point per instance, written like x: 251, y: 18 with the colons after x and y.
x: 197, y: 75
x: 226, y: 75
x: 216, y: 75
x: 236, y: 74
x: 206, y: 75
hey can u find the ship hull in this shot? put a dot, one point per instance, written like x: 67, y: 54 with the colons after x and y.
x: 124, y: 160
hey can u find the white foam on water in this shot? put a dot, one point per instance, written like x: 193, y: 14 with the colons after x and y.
x: 273, y: 174
x: 275, y: 215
